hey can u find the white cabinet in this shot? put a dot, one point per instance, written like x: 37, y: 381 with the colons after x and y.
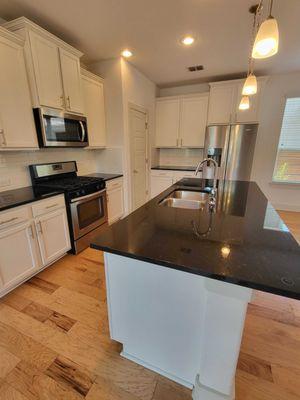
x: 52, y: 65
x: 167, y: 122
x: 18, y: 254
x: 94, y: 109
x: 181, y: 121
x: 163, y: 179
x: 115, y: 199
x: 224, y: 100
x: 31, y: 237
x: 46, y: 63
x: 53, y: 235
x: 193, y: 121
x: 17, y: 128
x: 71, y: 77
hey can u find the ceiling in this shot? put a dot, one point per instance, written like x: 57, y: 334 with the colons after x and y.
x: 152, y: 30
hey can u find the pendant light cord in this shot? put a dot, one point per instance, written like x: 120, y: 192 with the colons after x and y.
x: 254, y: 31
x: 270, y: 9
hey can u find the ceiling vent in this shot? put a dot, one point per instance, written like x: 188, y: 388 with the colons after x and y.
x: 194, y: 68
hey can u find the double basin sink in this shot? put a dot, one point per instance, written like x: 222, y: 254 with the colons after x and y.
x: 186, y: 199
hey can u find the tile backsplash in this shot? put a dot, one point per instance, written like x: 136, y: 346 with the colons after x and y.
x: 180, y: 157
x: 14, y: 172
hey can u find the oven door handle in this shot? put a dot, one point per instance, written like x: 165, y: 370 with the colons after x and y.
x: 83, y: 132
x: 89, y: 196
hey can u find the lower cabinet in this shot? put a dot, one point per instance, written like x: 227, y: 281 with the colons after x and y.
x: 163, y: 179
x: 30, y: 242
x: 53, y: 235
x: 19, y: 256
x: 115, y: 199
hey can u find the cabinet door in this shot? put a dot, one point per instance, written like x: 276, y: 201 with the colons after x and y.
x: 16, y: 117
x: 47, y: 72
x: 115, y: 206
x: 53, y: 235
x: 18, y: 255
x: 193, y: 121
x: 93, y: 97
x: 167, y: 122
x: 159, y: 184
x: 221, y: 104
x: 252, y: 114
x: 71, y: 77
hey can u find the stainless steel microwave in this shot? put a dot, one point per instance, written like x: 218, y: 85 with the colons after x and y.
x: 56, y: 128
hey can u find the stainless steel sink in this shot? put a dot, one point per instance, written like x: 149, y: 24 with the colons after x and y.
x: 186, y: 199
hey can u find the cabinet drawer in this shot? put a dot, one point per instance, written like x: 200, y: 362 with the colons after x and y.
x: 114, y: 184
x: 45, y: 206
x: 16, y: 216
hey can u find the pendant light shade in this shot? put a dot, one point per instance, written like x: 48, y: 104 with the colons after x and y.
x: 245, y: 103
x: 250, y: 86
x: 267, y: 38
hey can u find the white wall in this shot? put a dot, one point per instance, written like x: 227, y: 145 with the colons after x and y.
x: 184, y: 89
x: 14, y: 172
x: 282, y: 196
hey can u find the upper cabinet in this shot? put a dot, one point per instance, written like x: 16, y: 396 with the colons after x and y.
x: 53, y: 67
x: 93, y: 98
x: 224, y: 100
x: 181, y: 121
x: 17, y: 128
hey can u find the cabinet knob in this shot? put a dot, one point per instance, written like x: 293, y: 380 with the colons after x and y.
x: 135, y: 171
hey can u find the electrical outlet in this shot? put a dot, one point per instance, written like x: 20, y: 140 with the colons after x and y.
x: 4, y: 182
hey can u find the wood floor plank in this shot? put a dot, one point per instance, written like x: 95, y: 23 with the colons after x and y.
x: 45, y: 286
x: 104, y: 390
x: 35, y: 385
x: 255, y: 366
x: 7, y: 362
x: 15, y: 301
x: 166, y: 389
x: 38, y: 311
x: 71, y: 375
x: 10, y: 393
x: 288, y: 378
x: 60, y: 321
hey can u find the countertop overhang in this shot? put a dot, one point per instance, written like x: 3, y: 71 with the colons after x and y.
x: 243, y: 242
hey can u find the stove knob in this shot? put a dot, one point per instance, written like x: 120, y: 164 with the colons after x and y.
x: 77, y: 193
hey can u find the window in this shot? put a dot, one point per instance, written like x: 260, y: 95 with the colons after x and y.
x: 287, y: 168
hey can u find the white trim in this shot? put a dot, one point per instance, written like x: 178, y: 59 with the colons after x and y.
x: 91, y: 75
x: 5, y: 33
x: 157, y: 370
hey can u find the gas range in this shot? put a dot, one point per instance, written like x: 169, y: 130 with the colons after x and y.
x: 85, y: 198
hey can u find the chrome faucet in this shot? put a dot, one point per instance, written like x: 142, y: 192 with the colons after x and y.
x: 207, y: 161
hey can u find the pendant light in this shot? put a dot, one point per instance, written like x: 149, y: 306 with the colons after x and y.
x: 250, y: 85
x: 245, y: 103
x: 267, y: 38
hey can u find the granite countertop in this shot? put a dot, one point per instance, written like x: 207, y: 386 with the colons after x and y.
x: 19, y: 197
x: 243, y: 242
x: 106, y: 177
x: 174, y: 168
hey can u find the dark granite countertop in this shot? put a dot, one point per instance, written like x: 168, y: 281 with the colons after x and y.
x: 243, y: 242
x: 19, y: 197
x: 174, y: 168
x: 106, y: 177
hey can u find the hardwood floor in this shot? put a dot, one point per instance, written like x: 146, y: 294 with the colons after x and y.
x: 55, y: 345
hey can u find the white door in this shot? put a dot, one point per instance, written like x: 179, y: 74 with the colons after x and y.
x: 138, y: 158
x: 71, y: 77
x: 167, y: 122
x: 193, y: 121
x: 115, y: 207
x: 53, y: 235
x: 221, y: 104
x: 18, y: 254
x: 159, y: 184
x: 16, y: 117
x: 47, y: 71
x: 252, y: 114
x: 93, y: 96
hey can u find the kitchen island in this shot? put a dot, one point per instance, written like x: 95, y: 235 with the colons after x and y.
x: 179, y: 281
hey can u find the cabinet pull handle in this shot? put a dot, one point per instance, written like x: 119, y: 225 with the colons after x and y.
x: 176, y: 142
x: 69, y: 102
x: 62, y: 99
x: 39, y: 227
x: 31, y: 232
x: 52, y: 205
x: 3, y: 143
x: 6, y: 221
x: 181, y: 142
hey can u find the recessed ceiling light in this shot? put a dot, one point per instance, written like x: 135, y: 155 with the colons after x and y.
x: 126, y: 53
x: 187, y: 40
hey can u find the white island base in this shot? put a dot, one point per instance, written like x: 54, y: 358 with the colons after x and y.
x: 183, y: 326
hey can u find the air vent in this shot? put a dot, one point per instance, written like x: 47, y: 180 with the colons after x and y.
x: 194, y: 68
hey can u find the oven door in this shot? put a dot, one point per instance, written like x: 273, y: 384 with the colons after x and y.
x: 88, y: 212
x: 58, y: 129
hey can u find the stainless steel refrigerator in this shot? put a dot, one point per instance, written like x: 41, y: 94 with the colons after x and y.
x: 232, y: 147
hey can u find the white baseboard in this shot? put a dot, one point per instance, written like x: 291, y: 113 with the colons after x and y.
x: 286, y: 207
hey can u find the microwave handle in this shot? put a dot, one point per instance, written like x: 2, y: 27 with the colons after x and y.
x: 83, y: 131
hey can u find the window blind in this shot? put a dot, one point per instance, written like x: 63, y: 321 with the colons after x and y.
x: 287, y: 168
